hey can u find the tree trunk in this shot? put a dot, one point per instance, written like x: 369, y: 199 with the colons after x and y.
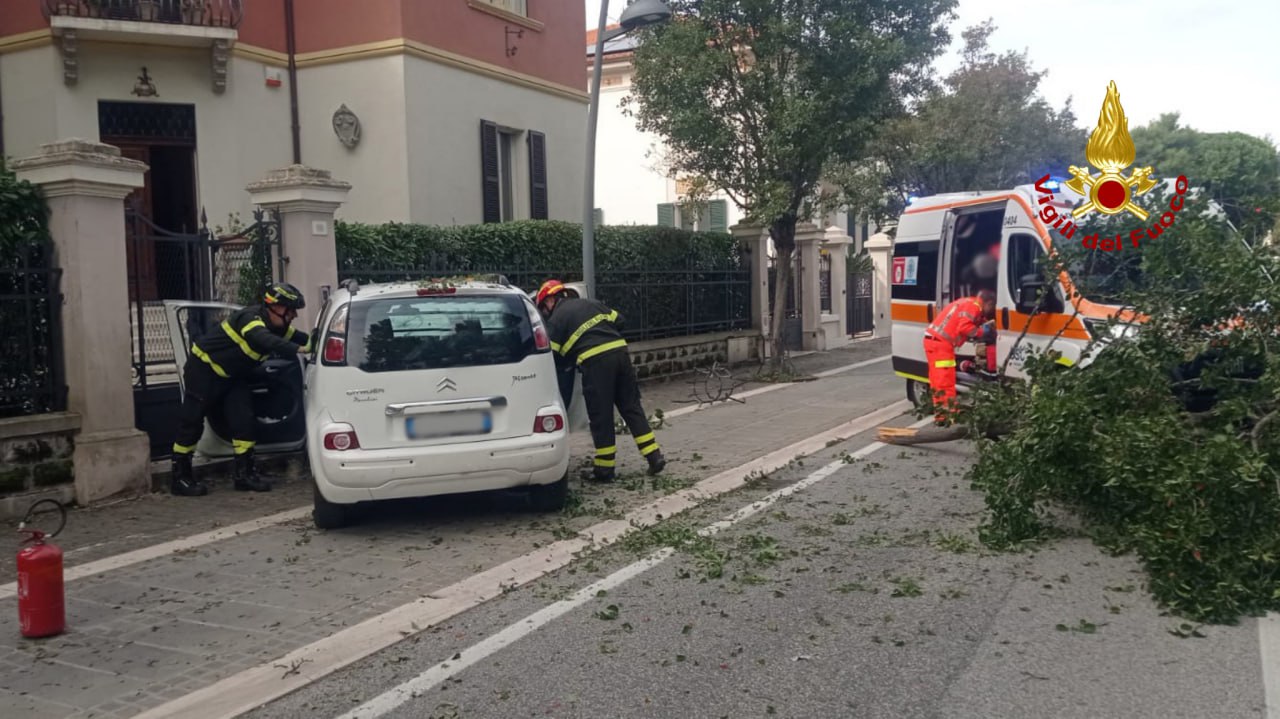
x: 783, y: 234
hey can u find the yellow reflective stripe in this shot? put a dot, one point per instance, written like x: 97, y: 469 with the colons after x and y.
x: 289, y: 333
x: 1064, y: 362
x: 611, y: 449
x: 242, y: 446
x: 917, y: 378
x: 649, y: 450
x: 584, y: 327
x: 235, y: 337
x: 217, y: 369
x: 254, y: 323
x: 588, y: 354
x: 183, y: 448
x: 555, y: 347
x: 644, y: 438
x: 945, y: 363
x: 605, y: 462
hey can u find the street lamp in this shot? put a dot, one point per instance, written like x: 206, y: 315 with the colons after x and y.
x: 638, y: 14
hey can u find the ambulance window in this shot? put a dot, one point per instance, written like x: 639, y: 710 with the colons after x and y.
x: 914, y: 274
x: 1025, y: 252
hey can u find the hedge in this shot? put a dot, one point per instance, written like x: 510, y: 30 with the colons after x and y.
x: 30, y: 371
x: 664, y: 281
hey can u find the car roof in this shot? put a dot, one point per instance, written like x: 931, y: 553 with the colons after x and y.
x: 394, y: 290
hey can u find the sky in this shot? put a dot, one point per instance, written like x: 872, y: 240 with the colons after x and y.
x: 1213, y: 62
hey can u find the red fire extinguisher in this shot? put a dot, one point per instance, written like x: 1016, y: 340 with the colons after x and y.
x: 41, y: 609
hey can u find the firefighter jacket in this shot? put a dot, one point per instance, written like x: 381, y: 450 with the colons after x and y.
x: 958, y: 322
x: 244, y: 340
x: 581, y: 329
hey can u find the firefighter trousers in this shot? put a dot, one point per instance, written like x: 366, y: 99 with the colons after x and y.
x: 608, y: 381
x: 204, y: 395
x: 942, y: 377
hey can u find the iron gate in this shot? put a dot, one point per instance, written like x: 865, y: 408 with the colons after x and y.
x: 860, y: 314
x: 167, y: 265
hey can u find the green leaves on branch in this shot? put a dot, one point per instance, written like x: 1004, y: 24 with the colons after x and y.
x: 1167, y: 444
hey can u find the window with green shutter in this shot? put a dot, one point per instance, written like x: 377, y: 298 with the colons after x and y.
x: 719, y: 212
x: 667, y: 214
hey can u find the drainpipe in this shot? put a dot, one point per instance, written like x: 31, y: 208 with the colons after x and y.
x: 293, y: 82
x: 1, y: 126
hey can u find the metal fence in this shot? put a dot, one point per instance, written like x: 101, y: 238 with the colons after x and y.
x: 654, y: 304
x: 31, y: 369
x: 675, y: 303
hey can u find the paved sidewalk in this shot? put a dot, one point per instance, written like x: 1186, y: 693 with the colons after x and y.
x: 147, y: 633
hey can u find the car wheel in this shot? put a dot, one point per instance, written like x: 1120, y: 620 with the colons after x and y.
x: 328, y: 515
x: 918, y: 394
x: 549, y: 497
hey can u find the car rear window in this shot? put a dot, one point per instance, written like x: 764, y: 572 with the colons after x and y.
x: 438, y: 332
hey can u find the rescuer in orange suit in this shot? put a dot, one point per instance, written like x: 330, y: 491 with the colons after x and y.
x: 956, y: 324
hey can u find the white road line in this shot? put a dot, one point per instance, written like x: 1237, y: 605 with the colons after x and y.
x: 1269, y: 646
x: 776, y: 387
x: 88, y: 569
x: 251, y: 688
x: 397, y: 696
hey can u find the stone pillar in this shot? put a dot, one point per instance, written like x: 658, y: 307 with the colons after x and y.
x: 837, y: 243
x: 85, y: 184
x: 808, y: 238
x: 306, y: 199
x: 756, y: 241
x: 880, y: 247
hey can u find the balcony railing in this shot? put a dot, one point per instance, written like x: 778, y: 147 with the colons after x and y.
x: 199, y: 13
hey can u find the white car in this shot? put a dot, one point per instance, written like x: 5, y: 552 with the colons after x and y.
x: 418, y: 391
x: 414, y: 391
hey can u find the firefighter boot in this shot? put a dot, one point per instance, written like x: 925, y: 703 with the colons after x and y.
x: 656, y: 462
x: 246, y: 475
x: 598, y: 474
x: 182, y: 481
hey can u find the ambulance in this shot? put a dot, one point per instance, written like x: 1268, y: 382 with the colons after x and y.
x: 939, y: 237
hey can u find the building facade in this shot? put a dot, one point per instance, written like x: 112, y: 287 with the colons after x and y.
x: 441, y: 112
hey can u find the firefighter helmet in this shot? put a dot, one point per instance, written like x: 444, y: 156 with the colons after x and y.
x: 285, y: 295
x: 549, y: 288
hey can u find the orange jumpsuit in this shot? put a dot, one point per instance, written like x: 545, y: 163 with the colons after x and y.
x: 958, y: 323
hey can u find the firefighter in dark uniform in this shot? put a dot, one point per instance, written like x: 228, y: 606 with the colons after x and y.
x: 215, y: 378
x: 584, y: 334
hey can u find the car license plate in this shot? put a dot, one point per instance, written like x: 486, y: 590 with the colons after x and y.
x: 448, y: 424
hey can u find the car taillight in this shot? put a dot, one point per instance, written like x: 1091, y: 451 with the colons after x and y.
x: 541, y: 340
x: 341, y: 441
x: 335, y: 344
x: 548, y: 423
x: 335, y: 350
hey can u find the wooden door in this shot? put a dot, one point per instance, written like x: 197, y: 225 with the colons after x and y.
x: 140, y: 249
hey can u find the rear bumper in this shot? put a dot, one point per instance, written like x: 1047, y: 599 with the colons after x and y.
x: 374, y: 474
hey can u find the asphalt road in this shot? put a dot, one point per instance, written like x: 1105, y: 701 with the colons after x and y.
x: 865, y: 594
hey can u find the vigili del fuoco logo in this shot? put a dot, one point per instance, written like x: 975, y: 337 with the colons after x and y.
x: 1111, y: 152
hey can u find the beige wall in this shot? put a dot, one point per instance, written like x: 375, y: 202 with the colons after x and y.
x: 445, y: 107
x: 378, y: 167
x: 240, y: 134
x: 418, y: 159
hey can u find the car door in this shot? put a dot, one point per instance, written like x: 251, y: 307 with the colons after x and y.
x: 276, y: 385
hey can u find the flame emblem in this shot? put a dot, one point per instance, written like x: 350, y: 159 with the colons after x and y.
x: 1111, y: 150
